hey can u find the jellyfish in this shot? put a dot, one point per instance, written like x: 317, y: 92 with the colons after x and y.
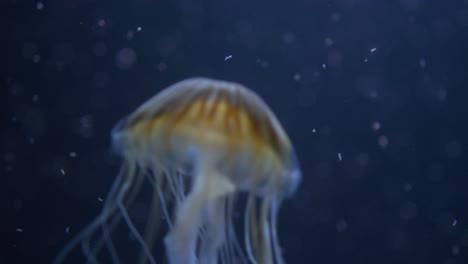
x: 201, y: 149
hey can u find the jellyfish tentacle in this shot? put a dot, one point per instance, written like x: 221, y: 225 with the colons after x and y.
x: 233, y: 244
x: 107, y: 229
x: 109, y: 208
x: 250, y: 230
x: 126, y: 171
x: 132, y: 227
x: 208, y: 186
x: 181, y: 240
x: 266, y: 251
x: 214, y: 235
x: 273, y: 219
x: 152, y: 224
x: 159, y: 182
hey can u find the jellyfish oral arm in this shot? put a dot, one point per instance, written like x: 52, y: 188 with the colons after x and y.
x: 200, y: 207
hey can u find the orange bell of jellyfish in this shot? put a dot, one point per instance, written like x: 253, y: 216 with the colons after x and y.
x: 200, y: 143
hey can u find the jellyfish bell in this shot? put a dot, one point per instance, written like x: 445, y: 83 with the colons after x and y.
x: 200, y: 143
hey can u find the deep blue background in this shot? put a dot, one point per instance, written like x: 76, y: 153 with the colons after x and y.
x: 384, y: 83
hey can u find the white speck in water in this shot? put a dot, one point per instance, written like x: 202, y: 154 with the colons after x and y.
x: 73, y: 154
x: 454, y: 222
x: 324, y: 66
x: 340, y: 157
x: 139, y: 29
x: 314, y: 130
x: 19, y: 230
x: 373, y: 50
x: 39, y: 5
x: 62, y: 171
x: 67, y: 229
x: 366, y: 59
x: 227, y: 57
x: 100, y: 199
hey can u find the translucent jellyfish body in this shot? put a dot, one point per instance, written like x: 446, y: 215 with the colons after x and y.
x: 196, y: 152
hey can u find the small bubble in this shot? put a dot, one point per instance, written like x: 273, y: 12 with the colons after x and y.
x: 453, y: 149
x: 28, y: 49
x: 101, y: 22
x: 139, y: 29
x: 454, y: 223
x: 9, y: 157
x: 126, y: 58
x: 39, y: 5
x: 17, y: 204
x: 100, y: 49
x: 422, y: 63
x: 73, y: 154
x: 455, y: 250
x: 162, y: 67
x: 363, y: 159
x: 407, y: 187
x: 324, y: 66
x: 441, y: 94
x: 20, y: 230
x: 335, y: 17
x: 297, y: 77
x: 314, y: 130
x: 36, y: 58
x: 383, y: 141
x: 86, y: 128
x: 373, y: 50
x: 100, y: 199
x: 263, y: 63
x: 62, y: 171
x: 227, y: 57
x: 67, y: 229
x: 376, y: 126
x: 130, y: 35
x: 341, y: 225
x: 340, y: 157
x: 289, y: 38
x: 328, y: 42
x: 408, y: 211
x: 16, y: 89
x: 366, y: 59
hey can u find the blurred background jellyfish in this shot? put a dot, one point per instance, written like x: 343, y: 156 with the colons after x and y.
x: 195, y: 147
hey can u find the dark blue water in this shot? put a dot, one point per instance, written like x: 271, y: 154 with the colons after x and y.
x: 372, y: 93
